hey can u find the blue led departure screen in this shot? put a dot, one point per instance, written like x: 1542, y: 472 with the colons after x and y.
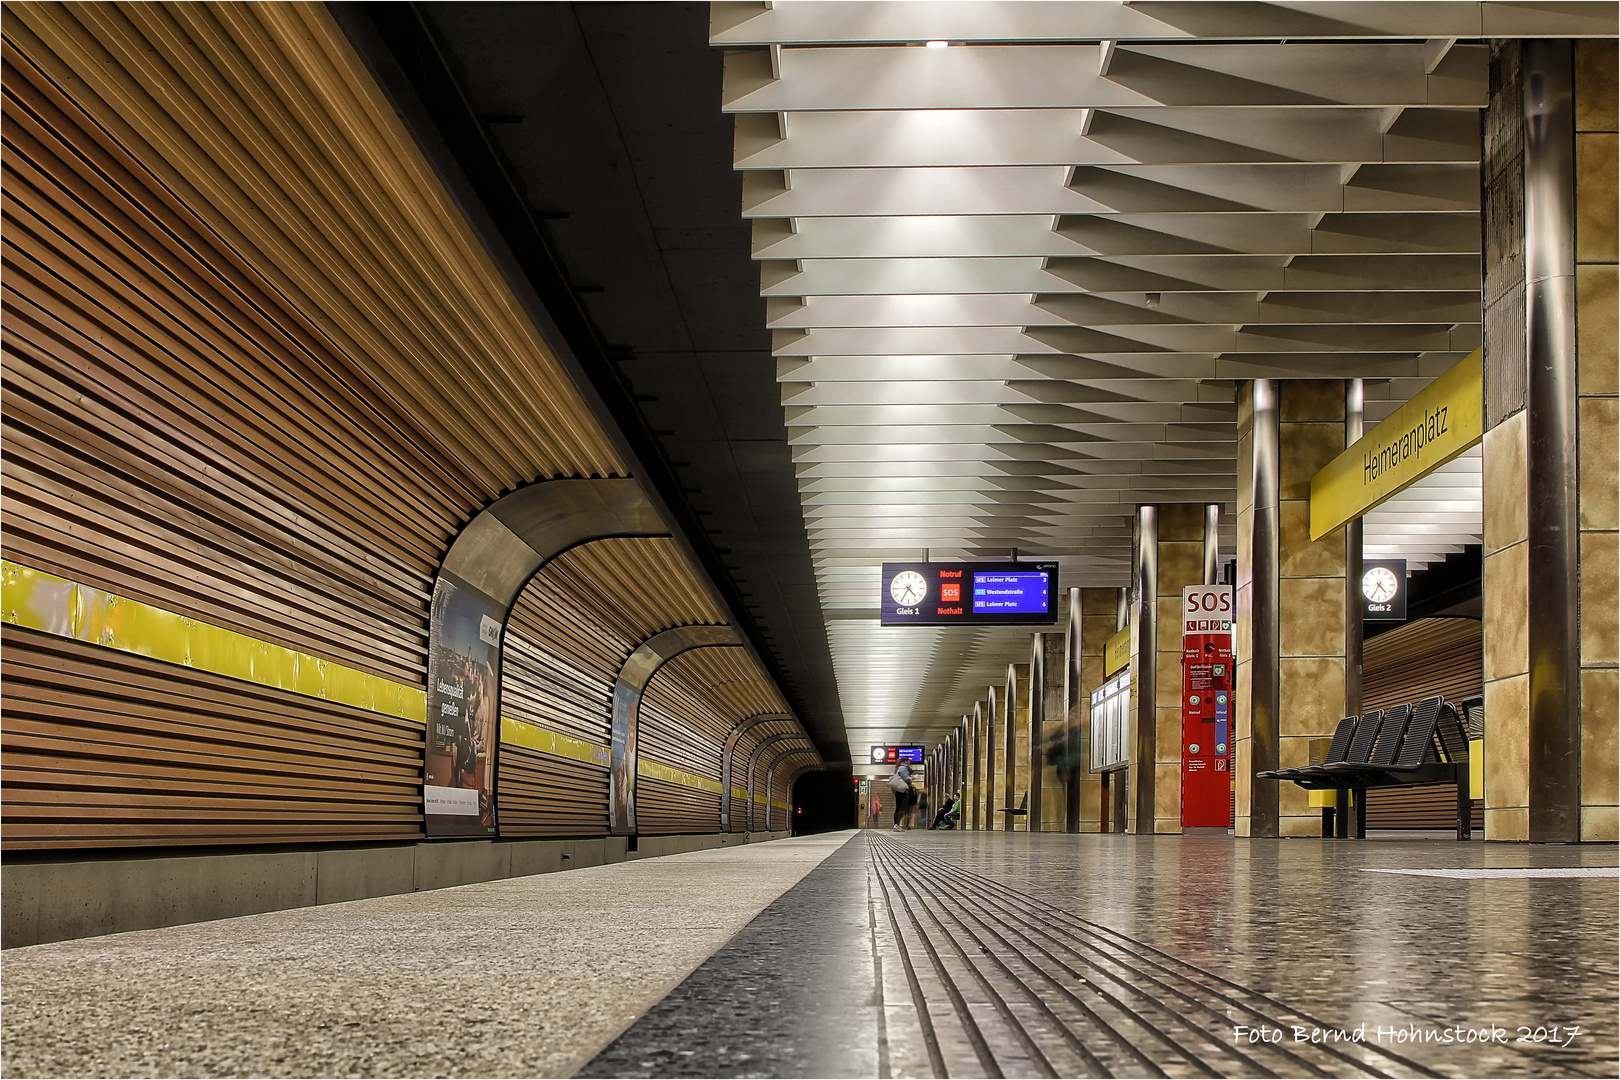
x: 1010, y: 593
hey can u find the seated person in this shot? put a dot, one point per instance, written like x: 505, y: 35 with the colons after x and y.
x: 950, y: 812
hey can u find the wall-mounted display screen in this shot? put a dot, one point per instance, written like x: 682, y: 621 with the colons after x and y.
x: 969, y: 594
x: 894, y: 755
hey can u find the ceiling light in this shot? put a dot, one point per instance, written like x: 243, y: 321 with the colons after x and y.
x: 936, y: 44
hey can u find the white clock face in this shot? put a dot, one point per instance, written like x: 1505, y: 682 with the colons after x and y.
x: 908, y: 588
x: 1379, y: 585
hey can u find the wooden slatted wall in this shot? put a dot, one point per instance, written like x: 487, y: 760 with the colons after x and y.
x: 739, y: 769
x: 570, y: 632
x: 106, y: 749
x: 1408, y: 664
x: 259, y: 371
x: 173, y: 435
x: 690, y: 707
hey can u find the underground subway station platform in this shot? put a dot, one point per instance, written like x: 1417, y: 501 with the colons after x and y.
x: 815, y: 538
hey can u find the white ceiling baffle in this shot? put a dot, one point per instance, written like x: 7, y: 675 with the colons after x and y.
x: 1017, y: 255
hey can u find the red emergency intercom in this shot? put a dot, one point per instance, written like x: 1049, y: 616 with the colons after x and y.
x: 1206, y: 706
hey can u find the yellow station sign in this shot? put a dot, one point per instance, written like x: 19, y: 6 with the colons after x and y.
x: 1117, y: 652
x: 1442, y: 421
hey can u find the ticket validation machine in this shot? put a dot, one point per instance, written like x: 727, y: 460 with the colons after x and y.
x: 1206, y: 706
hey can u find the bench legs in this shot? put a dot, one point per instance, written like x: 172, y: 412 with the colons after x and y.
x: 1465, y: 809
x: 1341, y: 815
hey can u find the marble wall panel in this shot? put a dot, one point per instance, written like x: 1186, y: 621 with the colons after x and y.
x: 1298, y: 554
x: 1507, y: 745
x: 1305, y: 449
x: 1505, y: 510
x: 1598, y: 327
x: 1595, y: 197
x: 1600, y: 568
x: 1310, y: 618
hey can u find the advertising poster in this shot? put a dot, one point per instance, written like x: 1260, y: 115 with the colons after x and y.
x: 1206, y: 706
x: 462, y: 712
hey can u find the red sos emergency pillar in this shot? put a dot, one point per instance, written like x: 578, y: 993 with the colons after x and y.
x: 1206, y: 706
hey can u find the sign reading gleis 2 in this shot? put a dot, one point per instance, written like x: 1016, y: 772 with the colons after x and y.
x: 1442, y: 421
x: 969, y: 594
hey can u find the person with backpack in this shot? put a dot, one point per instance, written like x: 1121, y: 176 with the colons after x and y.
x: 900, y: 784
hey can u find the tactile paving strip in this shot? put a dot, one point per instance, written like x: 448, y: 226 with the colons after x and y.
x: 1010, y: 986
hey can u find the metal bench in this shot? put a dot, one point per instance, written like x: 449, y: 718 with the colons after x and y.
x: 1021, y: 810
x: 1403, y: 746
x: 1435, y: 751
x: 1338, y: 750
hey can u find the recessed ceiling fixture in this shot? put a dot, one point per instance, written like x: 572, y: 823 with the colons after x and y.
x: 936, y: 44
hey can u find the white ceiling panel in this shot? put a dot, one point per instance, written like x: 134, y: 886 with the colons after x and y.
x: 1017, y: 256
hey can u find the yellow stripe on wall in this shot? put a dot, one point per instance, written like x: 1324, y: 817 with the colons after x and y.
x: 527, y: 735
x: 657, y: 770
x: 41, y: 601
x: 38, y: 600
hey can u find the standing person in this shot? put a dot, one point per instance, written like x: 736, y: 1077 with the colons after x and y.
x: 874, y: 810
x: 919, y: 813
x: 901, y: 783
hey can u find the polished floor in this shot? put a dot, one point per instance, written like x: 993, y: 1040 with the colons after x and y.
x: 880, y: 954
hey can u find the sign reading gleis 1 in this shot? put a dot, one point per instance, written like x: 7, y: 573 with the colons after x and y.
x: 1443, y: 420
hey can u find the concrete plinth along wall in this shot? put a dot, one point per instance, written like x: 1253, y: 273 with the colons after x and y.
x: 57, y: 899
x: 1549, y: 447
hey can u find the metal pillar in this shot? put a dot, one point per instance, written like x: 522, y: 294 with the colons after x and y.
x: 1073, y: 688
x: 1550, y: 405
x: 1037, y: 724
x: 1009, y: 756
x: 1264, y: 668
x: 1355, y: 406
x: 1212, y: 543
x: 1147, y: 662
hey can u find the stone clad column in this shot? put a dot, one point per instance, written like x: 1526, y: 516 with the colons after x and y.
x: 1144, y: 750
x: 1181, y: 563
x: 1175, y: 559
x: 1055, y: 713
x: 1291, y: 598
x: 1254, y: 694
x: 1596, y: 149
x: 973, y: 800
x: 1018, y: 734
x: 1092, y: 621
x: 1597, y: 145
x: 995, y: 728
x: 1549, y: 445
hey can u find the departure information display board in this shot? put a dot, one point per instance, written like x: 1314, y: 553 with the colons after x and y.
x: 969, y: 594
x: 894, y: 755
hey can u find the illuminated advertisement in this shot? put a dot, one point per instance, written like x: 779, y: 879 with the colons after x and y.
x: 969, y: 594
x: 462, y: 709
